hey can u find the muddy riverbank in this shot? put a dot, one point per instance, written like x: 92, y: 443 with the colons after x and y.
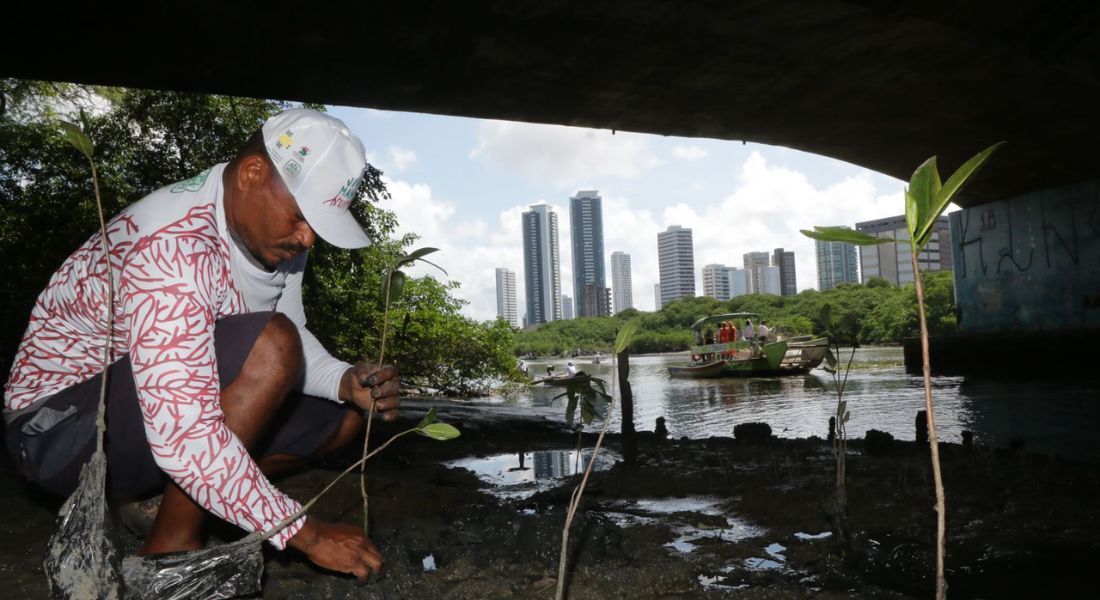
x: 691, y: 519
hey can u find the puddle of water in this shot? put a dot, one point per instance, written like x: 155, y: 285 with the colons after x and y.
x: 720, y: 582
x: 523, y: 474
x: 680, y: 515
x: 776, y: 550
x: 762, y: 564
x: 429, y: 562
x: 813, y: 536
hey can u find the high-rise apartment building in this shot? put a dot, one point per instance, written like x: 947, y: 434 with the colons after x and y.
x: 676, y: 261
x: 836, y: 263
x: 542, y: 275
x: 893, y: 262
x: 657, y: 296
x: 566, y: 307
x: 784, y: 261
x: 770, y: 280
x: 506, y: 295
x: 739, y: 282
x: 586, y: 226
x: 716, y: 281
x: 622, y: 293
x: 754, y: 264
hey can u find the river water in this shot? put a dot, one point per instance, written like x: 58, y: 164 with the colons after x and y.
x: 1057, y: 417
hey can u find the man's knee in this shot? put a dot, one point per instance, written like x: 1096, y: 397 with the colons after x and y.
x: 279, y: 347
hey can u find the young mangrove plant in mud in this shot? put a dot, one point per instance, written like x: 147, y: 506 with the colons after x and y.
x: 925, y: 200
x: 82, y: 561
x: 839, y: 330
x: 589, y: 396
x: 394, y: 284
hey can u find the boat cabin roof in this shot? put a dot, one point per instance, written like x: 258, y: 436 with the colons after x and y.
x: 737, y: 316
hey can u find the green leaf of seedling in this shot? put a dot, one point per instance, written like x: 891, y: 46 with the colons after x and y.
x: 417, y: 255
x: 625, y: 336
x: 848, y: 328
x: 919, y: 195
x: 440, y: 431
x: 842, y: 407
x: 428, y: 418
x: 77, y: 138
x: 950, y: 189
x: 847, y: 415
x: 825, y: 317
x: 843, y: 234
x: 830, y: 361
x: 397, y: 284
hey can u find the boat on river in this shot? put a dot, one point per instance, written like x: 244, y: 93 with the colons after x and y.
x: 749, y: 358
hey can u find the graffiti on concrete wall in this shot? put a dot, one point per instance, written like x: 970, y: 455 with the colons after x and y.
x: 1029, y: 263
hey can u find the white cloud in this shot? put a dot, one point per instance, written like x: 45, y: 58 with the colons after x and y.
x: 689, y: 152
x: 562, y: 156
x: 401, y: 158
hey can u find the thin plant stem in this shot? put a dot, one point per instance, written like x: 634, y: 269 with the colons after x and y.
x: 370, y: 412
x: 101, y: 423
x: 575, y: 498
x: 941, y: 522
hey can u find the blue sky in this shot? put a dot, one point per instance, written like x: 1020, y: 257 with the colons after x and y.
x: 461, y: 184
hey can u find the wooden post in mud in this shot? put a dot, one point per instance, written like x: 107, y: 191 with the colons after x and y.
x: 630, y: 442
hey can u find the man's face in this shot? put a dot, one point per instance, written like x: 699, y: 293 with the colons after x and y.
x: 270, y: 224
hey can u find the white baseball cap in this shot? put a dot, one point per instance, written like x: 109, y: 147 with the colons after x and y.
x: 322, y: 163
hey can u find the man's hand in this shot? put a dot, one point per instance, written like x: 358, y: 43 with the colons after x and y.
x: 337, y: 547
x: 365, y: 385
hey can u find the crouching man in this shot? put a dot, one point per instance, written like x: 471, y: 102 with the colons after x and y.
x: 214, y: 381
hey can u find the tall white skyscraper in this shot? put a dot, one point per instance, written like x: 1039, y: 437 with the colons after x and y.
x: 676, y: 260
x: 506, y: 295
x: 542, y: 274
x: 836, y: 263
x: 589, y: 279
x: 754, y: 264
x: 657, y: 296
x: 622, y: 294
x: 770, y: 280
x: 716, y: 281
x: 566, y: 307
x: 739, y: 282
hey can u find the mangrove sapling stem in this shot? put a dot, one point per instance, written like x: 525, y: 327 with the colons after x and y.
x: 370, y: 413
x: 941, y: 522
x: 100, y: 419
x: 575, y: 498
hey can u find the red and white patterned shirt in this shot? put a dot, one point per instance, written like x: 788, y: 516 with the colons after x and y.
x: 177, y: 271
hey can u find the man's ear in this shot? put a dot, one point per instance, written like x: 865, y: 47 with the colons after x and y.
x: 252, y: 173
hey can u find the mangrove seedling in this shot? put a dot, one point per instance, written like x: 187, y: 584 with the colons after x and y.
x: 925, y: 200
x: 843, y: 330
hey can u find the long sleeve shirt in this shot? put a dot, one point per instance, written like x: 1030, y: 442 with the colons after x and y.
x: 177, y: 271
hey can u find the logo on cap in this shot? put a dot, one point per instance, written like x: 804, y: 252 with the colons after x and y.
x: 292, y: 167
x: 303, y: 152
x: 285, y: 139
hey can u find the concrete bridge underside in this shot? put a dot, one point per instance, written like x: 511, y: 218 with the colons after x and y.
x: 879, y: 84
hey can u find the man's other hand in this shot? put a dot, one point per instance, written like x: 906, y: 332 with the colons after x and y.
x: 337, y: 547
x: 366, y: 385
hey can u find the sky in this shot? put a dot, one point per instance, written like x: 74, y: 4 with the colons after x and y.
x: 461, y: 185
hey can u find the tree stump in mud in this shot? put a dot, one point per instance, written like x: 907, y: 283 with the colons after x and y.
x: 878, y: 443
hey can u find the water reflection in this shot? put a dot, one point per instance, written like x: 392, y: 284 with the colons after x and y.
x: 522, y: 474
x: 1051, y: 416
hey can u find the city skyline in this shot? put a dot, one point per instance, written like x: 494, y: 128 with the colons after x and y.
x: 676, y: 260
x: 586, y: 233
x: 462, y: 185
x: 506, y: 296
x: 621, y: 282
x: 542, y: 265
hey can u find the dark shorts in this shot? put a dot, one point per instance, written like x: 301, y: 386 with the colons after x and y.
x: 51, y: 444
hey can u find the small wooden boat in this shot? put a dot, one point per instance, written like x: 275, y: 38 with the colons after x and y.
x: 563, y: 380
x: 704, y: 371
x: 804, y: 354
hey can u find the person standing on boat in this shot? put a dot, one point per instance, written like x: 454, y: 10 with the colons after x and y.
x: 765, y: 332
x: 750, y: 334
x: 570, y: 370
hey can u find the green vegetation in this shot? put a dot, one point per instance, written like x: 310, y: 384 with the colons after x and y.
x: 148, y: 139
x: 888, y: 314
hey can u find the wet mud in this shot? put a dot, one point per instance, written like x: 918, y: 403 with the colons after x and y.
x: 689, y: 519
